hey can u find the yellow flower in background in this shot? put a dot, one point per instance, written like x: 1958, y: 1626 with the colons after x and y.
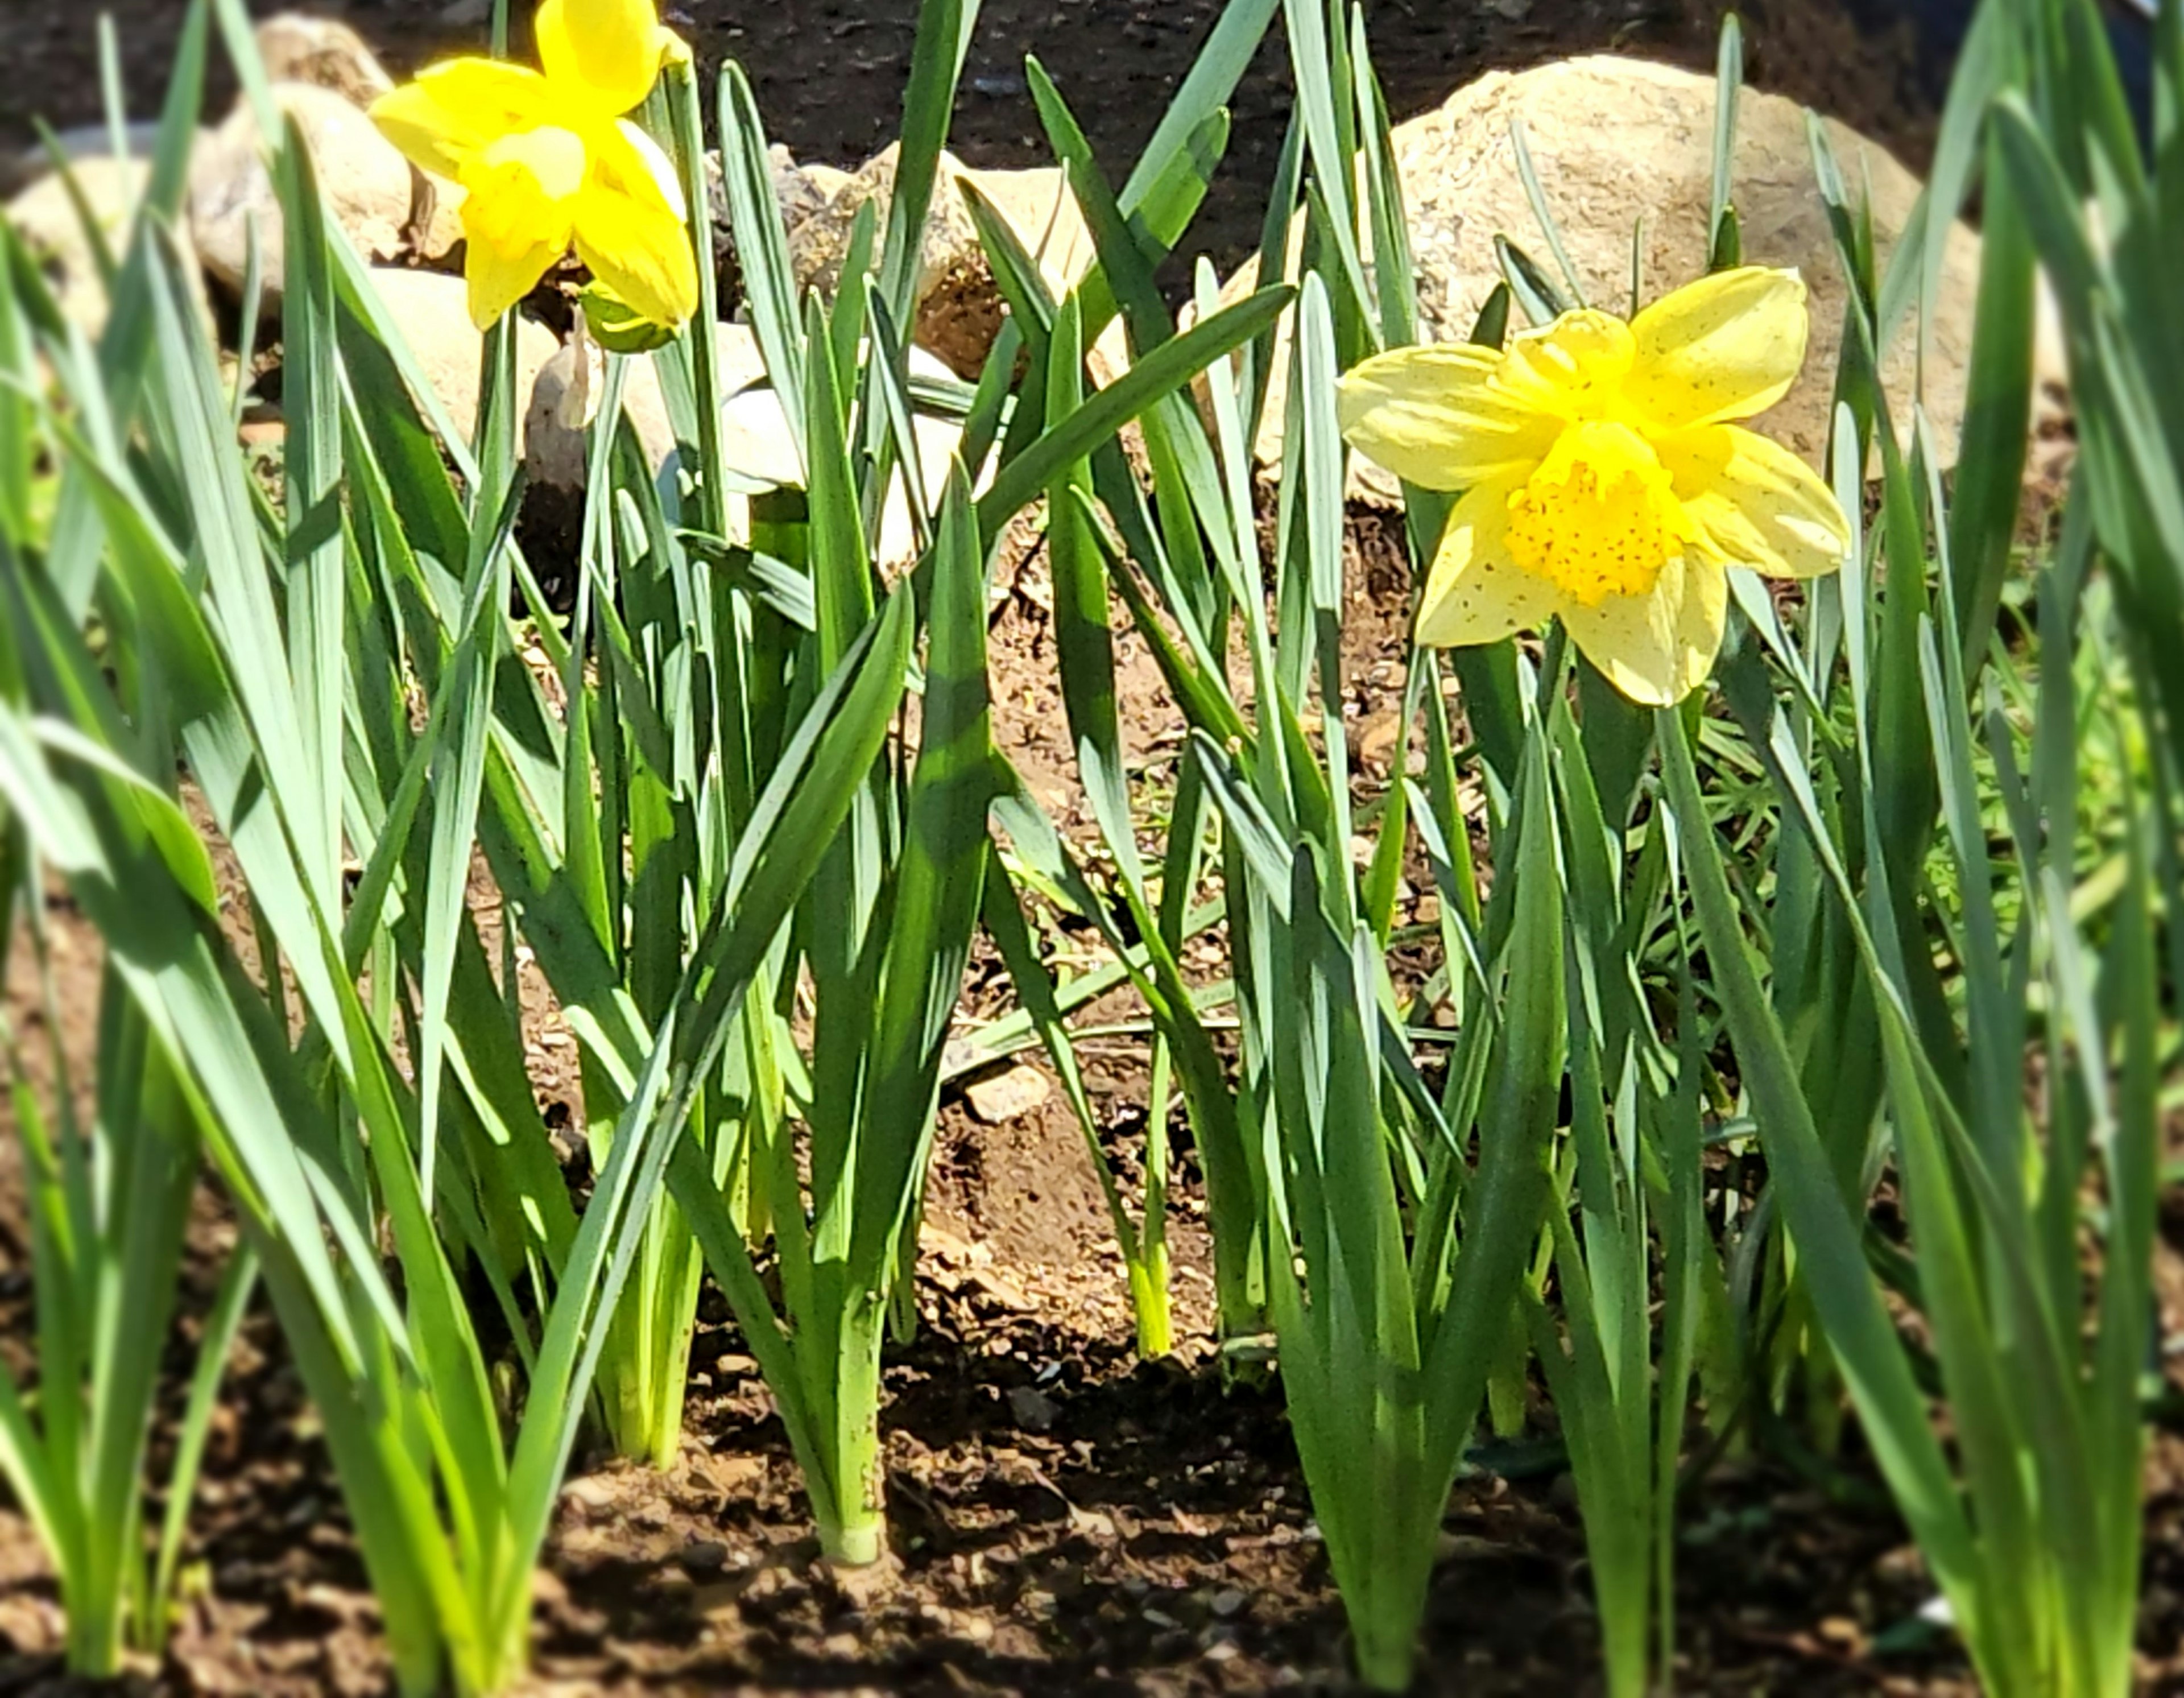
x: 546, y: 160
x: 1605, y: 486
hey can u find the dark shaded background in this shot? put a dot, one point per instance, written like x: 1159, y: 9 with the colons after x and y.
x: 828, y: 73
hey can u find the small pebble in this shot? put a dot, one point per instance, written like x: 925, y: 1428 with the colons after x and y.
x: 1008, y: 1096
x: 1034, y: 1409
x: 591, y: 1492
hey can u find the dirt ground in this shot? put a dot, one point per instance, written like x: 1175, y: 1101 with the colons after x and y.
x: 1067, y: 1520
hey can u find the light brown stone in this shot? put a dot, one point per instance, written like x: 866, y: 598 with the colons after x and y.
x: 960, y: 308
x: 324, y: 51
x: 755, y: 440
x: 46, y: 217
x: 1007, y: 1096
x: 368, y: 186
x: 432, y: 313
x: 1620, y: 141
x: 567, y: 395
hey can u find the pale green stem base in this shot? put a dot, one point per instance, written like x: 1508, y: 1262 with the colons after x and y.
x: 1386, y: 1656
x: 644, y: 1370
x: 93, y: 1647
x: 849, y: 1496
x: 1148, y: 1302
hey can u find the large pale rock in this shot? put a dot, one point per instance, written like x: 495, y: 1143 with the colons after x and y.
x: 18, y: 171
x: 324, y: 51
x: 331, y: 55
x: 368, y: 186
x: 1616, y: 141
x: 755, y: 441
x: 573, y: 386
x: 960, y: 308
x: 432, y: 312
x: 796, y: 191
x: 46, y: 217
x: 1042, y: 212
x: 1040, y: 207
x: 819, y: 240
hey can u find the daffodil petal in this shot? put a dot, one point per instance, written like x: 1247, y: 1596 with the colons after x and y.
x: 1657, y: 648
x: 1726, y: 347
x: 1755, y: 503
x: 454, y: 111
x: 604, y: 55
x: 631, y: 234
x: 1572, y: 369
x: 653, y: 157
x: 501, y: 271
x: 1475, y: 593
x: 1435, y: 417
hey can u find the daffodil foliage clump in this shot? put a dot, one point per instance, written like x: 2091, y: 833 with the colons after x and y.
x: 1797, y: 1011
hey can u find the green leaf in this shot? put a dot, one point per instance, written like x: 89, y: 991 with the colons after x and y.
x: 762, y: 244
x: 1832, y: 1262
x: 1213, y: 80
x: 936, y: 62
x: 1722, y: 236
x: 1168, y: 367
x: 936, y: 892
x: 1539, y: 295
x: 821, y: 768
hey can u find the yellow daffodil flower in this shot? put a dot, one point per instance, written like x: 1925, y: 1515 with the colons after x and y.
x: 1606, y: 487
x: 545, y: 159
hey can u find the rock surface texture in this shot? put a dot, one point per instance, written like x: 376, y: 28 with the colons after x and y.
x: 324, y: 50
x: 566, y: 398
x: 432, y: 312
x: 46, y: 217
x: 368, y: 186
x: 18, y: 171
x: 1616, y: 141
x: 959, y: 309
x: 755, y: 440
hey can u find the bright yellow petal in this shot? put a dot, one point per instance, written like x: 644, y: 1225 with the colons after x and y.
x: 1475, y: 592
x: 1435, y: 417
x: 1755, y: 503
x: 642, y: 152
x: 1574, y: 368
x: 501, y: 271
x: 454, y: 111
x: 630, y: 231
x: 602, y: 55
x: 1726, y: 347
x: 1657, y: 648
